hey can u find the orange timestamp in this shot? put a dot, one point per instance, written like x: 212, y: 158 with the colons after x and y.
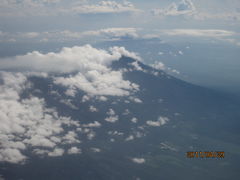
x: 205, y: 154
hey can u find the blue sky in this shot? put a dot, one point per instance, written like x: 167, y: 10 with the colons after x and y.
x: 39, y: 20
x: 209, y: 25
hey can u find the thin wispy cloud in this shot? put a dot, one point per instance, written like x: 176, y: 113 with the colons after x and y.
x: 198, y: 32
x: 10, y: 8
x: 67, y: 35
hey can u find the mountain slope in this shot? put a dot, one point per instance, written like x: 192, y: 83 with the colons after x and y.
x: 138, y: 128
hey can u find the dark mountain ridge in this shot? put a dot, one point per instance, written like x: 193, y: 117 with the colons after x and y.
x: 190, y: 118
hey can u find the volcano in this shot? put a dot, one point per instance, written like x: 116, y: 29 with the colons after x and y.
x: 117, y: 119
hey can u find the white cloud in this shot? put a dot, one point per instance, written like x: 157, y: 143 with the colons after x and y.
x: 11, y: 155
x: 153, y: 123
x: 136, y: 66
x: 70, y: 138
x: 129, y: 138
x: 91, y: 135
x: 184, y: 7
x: 187, y: 9
x: 29, y: 35
x: 67, y: 60
x: 85, y: 98
x: 161, y: 121
x: 105, y: 7
x: 111, y: 112
x: 27, y: 122
x: 101, y: 98
x: 119, y: 32
x: 112, y: 116
x: 111, y: 119
x: 135, y: 99
x: 93, y: 109
x: 198, y: 32
x: 96, y: 150
x: 93, y: 66
x: 95, y: 124
x: 56, y: 7
x: 95, y: 82
x: 56, y: 152
x: 134, y: 120
x: 116, y: 133
x: 110, y: 33
x: 121, y: 51
x: 40, y: 152
x: 175, y: 71
x: 68, y: 102
x: 180, y: 52
x: 138, y: 160
x: 158, y: 65
x: 39, y: 140
x: 67, y: 35
x: 74, y: 150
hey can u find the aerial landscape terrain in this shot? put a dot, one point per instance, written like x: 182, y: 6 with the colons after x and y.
x: 105, y: 90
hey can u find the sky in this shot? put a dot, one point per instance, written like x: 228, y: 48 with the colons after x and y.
x: 65, y: 20
x: 49, y: 25
x: 73, y: 24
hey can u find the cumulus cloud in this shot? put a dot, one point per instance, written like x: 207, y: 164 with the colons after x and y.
x: 138, y: 160
x: 184, y: 7
x: 129, y: 138
x: 67, y: 60
x: 93, y: 66
x: 180, y: 52
x: 28, y: 122
x: 102, y: 98
x: 93, y: 109
x: 95, y: 124
x: 135, y: 99
x: 158, y: 65
x: 136, y: 66
x: 56, y: 152
x: 11, y: 155
x: 95, y: 82
x: 161, y: 121
x: 134, y: 120
x: 85, y: 98
x: 96, y: 150
x: 112, y: 117
x: 91, y: 135
x: 187, y: 9
x: 74, y: 150
x: 70, y: 138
